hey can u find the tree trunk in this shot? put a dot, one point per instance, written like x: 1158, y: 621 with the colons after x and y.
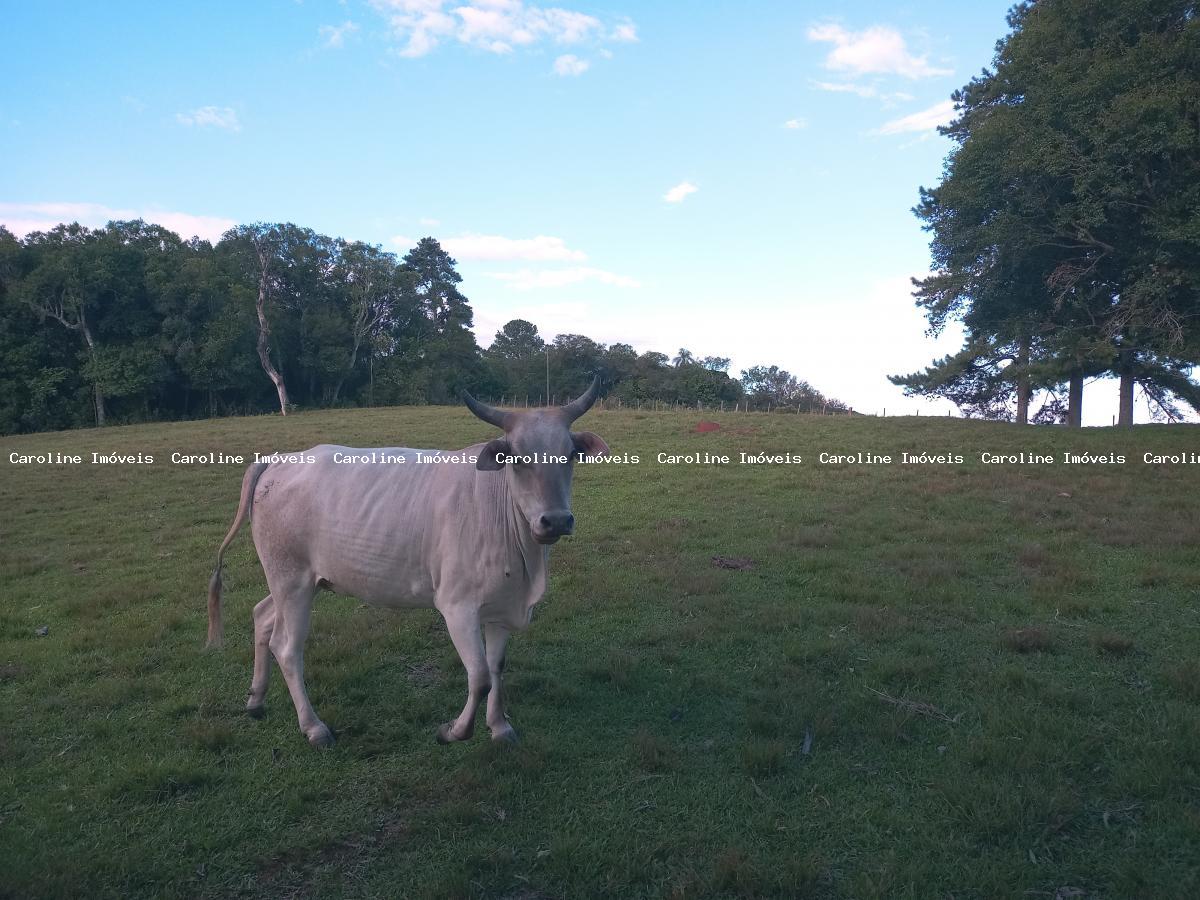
x: 350, y: 368
x: 1023, y: 381
x: 97, y: 391
x: 264, y: 333
x: 1125, y: 405
x: 1075, y: 401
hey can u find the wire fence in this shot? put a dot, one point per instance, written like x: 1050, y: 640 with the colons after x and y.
x: 745, y: 406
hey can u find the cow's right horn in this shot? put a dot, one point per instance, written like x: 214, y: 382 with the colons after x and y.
x: 498, y: 417
x: 583, y: 402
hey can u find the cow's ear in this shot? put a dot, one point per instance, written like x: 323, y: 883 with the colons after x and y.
x: 588, y: 443
x: 489, y: 457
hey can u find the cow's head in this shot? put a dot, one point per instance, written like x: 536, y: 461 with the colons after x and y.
x: 541, y: 488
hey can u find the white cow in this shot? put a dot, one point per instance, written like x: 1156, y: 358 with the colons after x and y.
x: 469, y: 537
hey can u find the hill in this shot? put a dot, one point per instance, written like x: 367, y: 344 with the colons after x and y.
x: 859, y: 679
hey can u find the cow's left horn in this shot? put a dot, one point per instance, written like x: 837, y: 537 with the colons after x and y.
x: 582, y: 403
x: 489, y: 414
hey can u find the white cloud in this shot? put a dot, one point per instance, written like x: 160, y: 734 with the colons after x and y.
x: 796, y: 124
x: 429, y: 222
x: 846, y: 87
x: 878, y: 50
x: 925, y: 120
x: 527, y: 279
x: 335, y: 35
x: 210, y: 117
x: 497, y: 248
x: 569, y: 64
x: 497, y: 26
x: 626, y: 32
x: 22, y: 218
x: 681, y: 190
x: 867, y: 91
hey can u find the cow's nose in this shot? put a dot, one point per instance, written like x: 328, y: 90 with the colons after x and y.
x: 556, y: 523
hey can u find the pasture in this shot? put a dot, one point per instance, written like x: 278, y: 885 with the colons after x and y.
x: 915, y: 681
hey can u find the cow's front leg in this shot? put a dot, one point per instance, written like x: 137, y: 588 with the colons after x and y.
x: 497, y: 719
x: 463, y: 626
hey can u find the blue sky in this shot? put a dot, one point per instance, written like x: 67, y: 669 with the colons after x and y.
x: 735, y: 178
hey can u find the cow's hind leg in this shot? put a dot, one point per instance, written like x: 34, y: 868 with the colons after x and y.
x: 463, y: 626
x: 496, y: 637
x: 264, y: 626
x: 293, y: 609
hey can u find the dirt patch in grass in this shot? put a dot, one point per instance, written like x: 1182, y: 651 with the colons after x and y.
x: 917, y: 707
x: 423, y: 674
x: 763, y: 757
x: 215, y: 737
x: 291, y: 867
x: 733, y: 562
x: 703, y: 427
x: 1030, y: 639
x: 1112, y: 643
x: 651, y: 752
x: 877, y: 620
x: 1185, y: 678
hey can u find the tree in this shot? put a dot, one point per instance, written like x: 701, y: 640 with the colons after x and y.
x: 440, y: 352
x: 373, y: 285
x: 1063, y: 228
x: 778, y: 387
x: 60, y: 287
x: 716, y: 363
x: 261, y: 246
x: 574, y: 361
x: 437, y: 285
x: 517, y: 360
x: 518, y: 339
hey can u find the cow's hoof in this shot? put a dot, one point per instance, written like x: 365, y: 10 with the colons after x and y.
x: 446, y: 735
x: 321, y: 737
x: 505, y: 735
x: 256, y: 712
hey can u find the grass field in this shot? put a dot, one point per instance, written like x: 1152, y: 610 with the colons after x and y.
x: 932, y: 681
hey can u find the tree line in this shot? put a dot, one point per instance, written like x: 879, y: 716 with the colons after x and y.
x: 1066, y: 227
x: 131, y: 323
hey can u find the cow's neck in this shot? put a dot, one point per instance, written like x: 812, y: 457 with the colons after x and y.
x: 526, y: 558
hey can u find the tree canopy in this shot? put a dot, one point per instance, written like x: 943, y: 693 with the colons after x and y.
x: 1066, y: 228
x: 130, y: 323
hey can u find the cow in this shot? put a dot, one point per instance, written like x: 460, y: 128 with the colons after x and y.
x: 465, y: 532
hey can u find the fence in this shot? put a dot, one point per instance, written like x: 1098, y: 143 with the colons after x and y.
x: 720, y: 406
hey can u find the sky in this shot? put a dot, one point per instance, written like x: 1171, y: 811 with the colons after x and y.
x: 735, y: 178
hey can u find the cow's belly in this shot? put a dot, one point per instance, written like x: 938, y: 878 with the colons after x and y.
x: 374, y: 591
x: 375, y: 573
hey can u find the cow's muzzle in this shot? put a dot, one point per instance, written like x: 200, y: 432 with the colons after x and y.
x: 549, y: 527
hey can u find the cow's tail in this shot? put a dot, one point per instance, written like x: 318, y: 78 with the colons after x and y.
x: 216, y: 626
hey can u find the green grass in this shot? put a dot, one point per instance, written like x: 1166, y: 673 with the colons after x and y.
x: 997, y: 668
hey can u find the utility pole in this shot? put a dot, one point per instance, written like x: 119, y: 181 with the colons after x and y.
x: 547, y: 374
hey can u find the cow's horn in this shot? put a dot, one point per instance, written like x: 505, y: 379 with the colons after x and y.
x: 489, y: 414
x: 582, y: 403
